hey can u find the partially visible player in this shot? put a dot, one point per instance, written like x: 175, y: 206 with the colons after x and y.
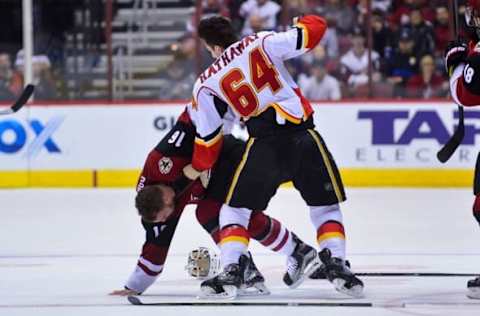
x: 163, y: 193
x: 250, y: 81
x: 462, y: 60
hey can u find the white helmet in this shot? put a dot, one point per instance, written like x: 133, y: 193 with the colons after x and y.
x: 202, y: 263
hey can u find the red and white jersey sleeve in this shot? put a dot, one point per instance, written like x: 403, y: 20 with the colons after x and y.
x: 465, y: 80
x: 154, y: 253
x: 208, y: 121
x: 306, y: 34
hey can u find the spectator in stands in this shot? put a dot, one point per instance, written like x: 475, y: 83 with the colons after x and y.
x: 185, y: 49
x: 178, y: 83
x: 330, y: 40
x: 217, y: 7
x: 401, y: 13
x: 422, y: 32
x: 427, y: 84
x: 354, y: 64
x: 380, y: 6
x: 382, y: 37
x: 442, y: 30
x: 320, y: 85
x: 340, y: 13
x: 262, y: 13
x: 45, y: 88
x: 403, y: 63
x: 10, y: 81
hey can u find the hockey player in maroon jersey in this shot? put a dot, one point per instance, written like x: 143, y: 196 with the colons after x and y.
x: 462, y: 60
x: 163, y: 194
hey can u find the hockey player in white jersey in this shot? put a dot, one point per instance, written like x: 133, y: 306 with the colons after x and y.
x: 249, y: 80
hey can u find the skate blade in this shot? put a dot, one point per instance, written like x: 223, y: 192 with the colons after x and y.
x: 474, y: 293
x: 355, y: 291
x: 311, y: 267
x: 258, y: 289
x: 230, y: 292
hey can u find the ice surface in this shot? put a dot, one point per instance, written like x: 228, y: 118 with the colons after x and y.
x: 62, y: 251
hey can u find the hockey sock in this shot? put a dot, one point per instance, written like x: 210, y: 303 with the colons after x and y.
x: 207, y: 214
x: 330, y: 232
x: 271, y: 233
x: 234, y: 237
x: 476, y: 208
x: 234, y: 241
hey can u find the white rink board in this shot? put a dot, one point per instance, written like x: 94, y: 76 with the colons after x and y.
x: 376, y: 135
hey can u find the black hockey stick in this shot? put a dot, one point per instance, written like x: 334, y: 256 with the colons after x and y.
x: 134, y: 300
x: 414, y: 274
x: 449, y: 148
x: 26, y: 94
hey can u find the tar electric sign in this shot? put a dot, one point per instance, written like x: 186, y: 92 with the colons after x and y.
x: 33, y: 134
x: 401, y: 135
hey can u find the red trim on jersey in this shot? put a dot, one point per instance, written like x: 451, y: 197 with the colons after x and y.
x: 465, y: 97
x: 205, y: 155
x: 264, y: 50
x: 307, y: 106
x: 315, y: 28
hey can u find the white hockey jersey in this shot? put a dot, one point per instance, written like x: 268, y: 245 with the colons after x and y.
x: 250, y: 77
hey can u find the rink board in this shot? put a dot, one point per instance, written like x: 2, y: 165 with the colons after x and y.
x: 99, y: 145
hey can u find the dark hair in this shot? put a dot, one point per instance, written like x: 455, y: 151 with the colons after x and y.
x: 217, y: 30
x: 149, y: 201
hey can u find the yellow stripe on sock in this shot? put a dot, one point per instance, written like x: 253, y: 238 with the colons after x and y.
x: 326, y: 236
x: 239, y: 239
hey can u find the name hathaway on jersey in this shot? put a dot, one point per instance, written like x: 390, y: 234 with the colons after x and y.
x: 228, y: 55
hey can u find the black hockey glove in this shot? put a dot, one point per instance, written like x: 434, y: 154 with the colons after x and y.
x: 455, y: 54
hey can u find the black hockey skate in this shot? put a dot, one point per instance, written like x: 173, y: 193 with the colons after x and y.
x: 319, y: 274
x: 302, y: 263
x: 224, y: 285
x: 340, y: 275
x: 254, y: 282
x: 474, y: 288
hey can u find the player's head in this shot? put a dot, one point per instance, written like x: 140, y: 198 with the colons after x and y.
x: 472, y: 16
x: 217, y: 34
x: 155, y: 203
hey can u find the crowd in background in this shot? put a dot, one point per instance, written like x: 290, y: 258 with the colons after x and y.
x: 408, y: 39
